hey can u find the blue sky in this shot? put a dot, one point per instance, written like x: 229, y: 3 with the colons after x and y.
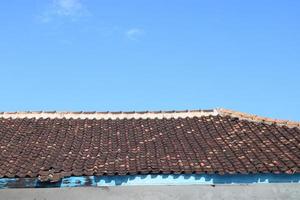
x: 71, y: 55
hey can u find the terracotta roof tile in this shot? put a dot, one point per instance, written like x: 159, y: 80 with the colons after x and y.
x: 208, y: 142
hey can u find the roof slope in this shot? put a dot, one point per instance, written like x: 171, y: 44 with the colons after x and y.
x: 55, y: 145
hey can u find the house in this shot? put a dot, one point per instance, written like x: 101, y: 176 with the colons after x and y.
x: 199, y: 154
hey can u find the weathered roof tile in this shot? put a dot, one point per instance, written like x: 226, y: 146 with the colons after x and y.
x: 52, y: 148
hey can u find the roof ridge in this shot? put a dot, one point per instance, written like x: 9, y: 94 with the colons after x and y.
x: 109, y: 114
x: 148, y: 114
x: 257, y: 118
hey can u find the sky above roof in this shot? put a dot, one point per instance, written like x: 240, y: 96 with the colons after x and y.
x: 71, y: 55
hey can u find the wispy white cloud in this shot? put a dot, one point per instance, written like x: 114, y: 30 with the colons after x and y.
x: 71, y: 9
x: 68, y: 7
x: 134, y: 33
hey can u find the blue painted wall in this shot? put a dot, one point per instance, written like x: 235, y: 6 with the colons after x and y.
x: 193, y: 179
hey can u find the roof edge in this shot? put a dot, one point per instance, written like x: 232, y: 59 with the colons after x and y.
x: 148, y: 115
x: 256, y: 118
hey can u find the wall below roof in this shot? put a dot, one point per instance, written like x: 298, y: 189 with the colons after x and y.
x: 138, y: 180
x: 183, y: 192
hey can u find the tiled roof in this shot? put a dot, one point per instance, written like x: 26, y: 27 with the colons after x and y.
x: 52, y: 145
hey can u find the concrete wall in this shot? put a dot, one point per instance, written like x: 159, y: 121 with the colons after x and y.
x: 184, y: 192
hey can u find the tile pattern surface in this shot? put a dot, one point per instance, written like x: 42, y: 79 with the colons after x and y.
x: 51, y: 149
